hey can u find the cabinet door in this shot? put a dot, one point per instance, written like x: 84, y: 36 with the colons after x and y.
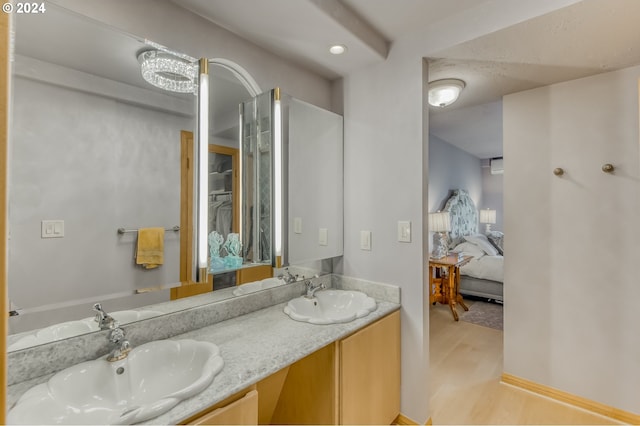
x: 244, y: 411
x: 370, y: 373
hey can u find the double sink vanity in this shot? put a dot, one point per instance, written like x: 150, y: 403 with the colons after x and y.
x: 321, y: 351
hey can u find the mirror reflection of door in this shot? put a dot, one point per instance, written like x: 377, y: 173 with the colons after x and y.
x: 223, y: 201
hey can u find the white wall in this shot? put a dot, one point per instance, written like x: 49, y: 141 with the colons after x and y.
x: 571, y: 284
x: 385, y: 158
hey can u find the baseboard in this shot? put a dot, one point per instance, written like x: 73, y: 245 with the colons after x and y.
x: 404, y: 420
x: 577, y: 401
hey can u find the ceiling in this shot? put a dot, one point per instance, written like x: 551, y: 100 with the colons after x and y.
x: 557, y: 41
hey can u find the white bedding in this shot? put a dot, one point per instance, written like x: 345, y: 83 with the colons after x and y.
x: 485, y: 267
x: 482, y: 265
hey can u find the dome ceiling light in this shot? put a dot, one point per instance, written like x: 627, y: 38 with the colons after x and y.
x: 168, y: 72
x: 444, y: 92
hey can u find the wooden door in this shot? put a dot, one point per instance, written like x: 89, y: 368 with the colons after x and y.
x: 188, y: 287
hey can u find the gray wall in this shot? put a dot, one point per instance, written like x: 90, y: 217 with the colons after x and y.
x: 452, y: 168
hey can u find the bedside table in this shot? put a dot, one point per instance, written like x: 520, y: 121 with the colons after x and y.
x: 447, y: 290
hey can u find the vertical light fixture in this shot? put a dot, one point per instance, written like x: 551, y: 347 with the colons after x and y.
x: 239, y: 171
x: 488, y: 217
x: 203, y: 167
x: 277, y: 171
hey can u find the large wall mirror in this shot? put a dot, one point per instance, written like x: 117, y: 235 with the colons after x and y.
x: 97, y: 153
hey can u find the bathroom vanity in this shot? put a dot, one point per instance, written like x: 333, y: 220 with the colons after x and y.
x: 354, y: 380
x: 276, y: 370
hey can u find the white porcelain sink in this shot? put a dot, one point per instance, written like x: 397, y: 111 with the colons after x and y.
x: 150, y: 381
x: 75, y: 328
x: 330, y: 307
x: 257, y: 286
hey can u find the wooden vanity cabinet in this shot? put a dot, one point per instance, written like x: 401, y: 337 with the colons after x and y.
x: 352, y: 381
x: 370, y: 373
x: 239, y: 409
x: 355, y: 380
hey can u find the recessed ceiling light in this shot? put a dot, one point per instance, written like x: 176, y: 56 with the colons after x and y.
x: 338, y: 49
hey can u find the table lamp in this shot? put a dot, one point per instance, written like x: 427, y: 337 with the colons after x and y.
x: 439, y: 224
x: 488, y: 217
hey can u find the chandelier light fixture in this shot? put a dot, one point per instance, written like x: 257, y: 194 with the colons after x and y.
x: 444, y: 92
x: 168, y: 72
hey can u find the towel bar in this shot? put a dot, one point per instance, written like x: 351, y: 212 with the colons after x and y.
x: 123, y: 231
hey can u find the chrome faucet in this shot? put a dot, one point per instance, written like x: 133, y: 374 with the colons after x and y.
x: 123, y: 347
x: 104, y: 320
x: 288, y: 277
x: 311, y: 288
x: 116, y: 335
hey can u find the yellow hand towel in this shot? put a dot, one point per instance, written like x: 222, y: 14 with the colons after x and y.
x: 150, y: 249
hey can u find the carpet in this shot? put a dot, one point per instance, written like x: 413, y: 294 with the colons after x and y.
x: 483, y: 313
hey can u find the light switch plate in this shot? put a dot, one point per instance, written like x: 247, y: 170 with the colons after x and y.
x: 297, y: 225
x: 323, y: 236
x: 365, y: 240
x: 404, y: 231
x: 52, y: 229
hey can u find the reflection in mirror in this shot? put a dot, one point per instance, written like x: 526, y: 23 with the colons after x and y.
x: 315, y: 182
x: 94, y: 148
x: 97, y: 147
x: 258, y: 190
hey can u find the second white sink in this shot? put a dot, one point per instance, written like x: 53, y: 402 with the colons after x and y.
x: 257, y: 286
x: 330, y: 307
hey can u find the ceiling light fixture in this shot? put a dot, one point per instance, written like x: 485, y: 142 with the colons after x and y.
x: 338, y: 49
x: 444, y: 92
x: 168, y: 72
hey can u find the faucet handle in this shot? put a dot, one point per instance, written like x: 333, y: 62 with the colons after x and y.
x: 116, y: 335
x: 98, y: 308
x: 104, y: 320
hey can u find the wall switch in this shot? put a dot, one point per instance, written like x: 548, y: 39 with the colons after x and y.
x: 297, y: 225
x: 323, y: 236
x: 52, y: 229
x: 365, y: 240
x: 404, y: 231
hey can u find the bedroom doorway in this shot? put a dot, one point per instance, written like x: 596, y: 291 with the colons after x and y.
x: 466, y: 356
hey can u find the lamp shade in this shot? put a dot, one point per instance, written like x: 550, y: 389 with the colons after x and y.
x: 439, y: 222
x: 443, y: 93
x: 487, y: 216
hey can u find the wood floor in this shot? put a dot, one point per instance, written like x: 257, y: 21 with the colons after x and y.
x: 466, y: 364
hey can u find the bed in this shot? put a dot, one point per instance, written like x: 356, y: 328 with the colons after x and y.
x: 483, y: 275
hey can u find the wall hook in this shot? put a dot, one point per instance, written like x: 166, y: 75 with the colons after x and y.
x: 608, y: 168
x: 558, y: 171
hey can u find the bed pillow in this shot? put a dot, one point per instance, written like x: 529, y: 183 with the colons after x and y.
x: 496, y: 238
x: 469, y: 249
x: 482, y: 242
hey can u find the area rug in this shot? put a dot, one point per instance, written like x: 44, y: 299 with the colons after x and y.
x: 483, y: 313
